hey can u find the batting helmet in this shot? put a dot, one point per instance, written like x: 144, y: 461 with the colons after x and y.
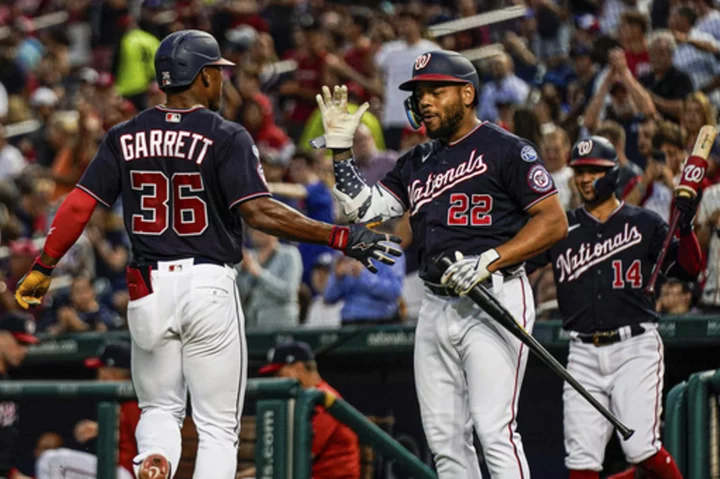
x: 181, y: 56
x: 598, y: 151
x: 437, y: 66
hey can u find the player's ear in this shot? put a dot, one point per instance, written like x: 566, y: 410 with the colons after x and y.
x: 467, y: 94
x: 205, y: 77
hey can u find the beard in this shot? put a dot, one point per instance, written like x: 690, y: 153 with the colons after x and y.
x: 449, y: 123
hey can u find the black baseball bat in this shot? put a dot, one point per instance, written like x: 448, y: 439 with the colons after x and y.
x: 484, y: 298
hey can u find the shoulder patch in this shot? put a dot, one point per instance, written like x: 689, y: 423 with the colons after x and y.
x: 528, y: 154
x: 539, y: 180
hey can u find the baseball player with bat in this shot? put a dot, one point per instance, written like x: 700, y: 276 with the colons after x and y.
x: 601, y: 271
x: 187, y: 177
x: 482, y: 196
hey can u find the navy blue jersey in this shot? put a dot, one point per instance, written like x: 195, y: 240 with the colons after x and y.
x: 601, y: 269
x: 470, y: 195
x: 180, y: 173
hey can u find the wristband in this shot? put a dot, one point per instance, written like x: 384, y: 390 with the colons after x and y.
x: 339, y: 236
x: 38, y: 265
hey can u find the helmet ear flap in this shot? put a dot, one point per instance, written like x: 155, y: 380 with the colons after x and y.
x: 413, y: 112
x: 605, y: 186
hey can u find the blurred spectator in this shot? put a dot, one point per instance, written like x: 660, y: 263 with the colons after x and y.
x: 106, y: 233
x: 551, y: 43
x: 335, y: 448
x: 654, y: 189
x: 612, y: 10
x: 370, y: 299
x: 646, y: 132
x: 631, y: 34
x: 698, y: 112
x: 525, y: 125
x: 134, y: 64
x: 555, y: 152
x: 358, y: 55
x: 311, y: 74
x: 112, y: 364
x: 314, y: 199
x: 629, y: 103
x: 394, y: 63
x: 548, y: 108
x: 668, y: 85
x: 504, y: 86
x: 581, y: 87
x: 708, y: 233
x: 269, y: 280
x: 16, y: 333
x: 321, y: 314
x: 411, y: 138
x: 40, y: 145
x: 708, y: 17
x: 545, y: 292
x: 696, y: 53
x: 373, y: 164
x: 675, y: 298
x: 11, y: 160
x: 628, y: 170
x: 84, y: 312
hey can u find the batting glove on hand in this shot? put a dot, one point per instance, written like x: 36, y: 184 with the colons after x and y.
x: 687, y: 208
x: 33, y: 286
x: 339, y: 123
x: 464, y: 273
x: 364, y: 244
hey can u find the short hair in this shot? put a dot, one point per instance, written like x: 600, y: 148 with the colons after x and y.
x: 613, y: 132
x: 560, y: 134
x: 361, y: 20
x: 688, y: 13
x: 663, y: 35
x: 634, y: 17
x: 668, y: 132
x: 683, y: 284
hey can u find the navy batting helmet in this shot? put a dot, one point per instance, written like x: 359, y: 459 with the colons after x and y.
x: 598, y: 151
x: 438, y: 66
x: 181, y: 56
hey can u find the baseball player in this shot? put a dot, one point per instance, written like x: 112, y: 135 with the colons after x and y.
x: 186, y: 178
x: 600, y: 271
x: 482, y: 196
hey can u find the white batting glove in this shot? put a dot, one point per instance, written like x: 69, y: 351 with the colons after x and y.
x: 339, y: 123
x: 464, y: 274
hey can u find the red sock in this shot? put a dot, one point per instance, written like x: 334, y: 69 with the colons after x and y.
x: 626, y: 474
x: 584, y: 474
x: 662, y: 465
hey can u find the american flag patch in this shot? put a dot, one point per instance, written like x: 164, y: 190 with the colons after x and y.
x: 173, y: 117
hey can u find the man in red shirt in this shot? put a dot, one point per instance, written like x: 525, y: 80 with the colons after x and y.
x: 631, y: 35
x: 113, y: 364
x: 335, y: 448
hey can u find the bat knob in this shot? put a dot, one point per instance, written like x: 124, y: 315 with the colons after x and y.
x: 443, y: 263
x: 626, y: 433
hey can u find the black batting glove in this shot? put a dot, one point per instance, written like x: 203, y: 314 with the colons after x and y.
x: 687, y: 208
x: 363, y: 244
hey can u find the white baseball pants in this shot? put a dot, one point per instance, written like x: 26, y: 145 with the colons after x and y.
x: 189, y: 334
x: 468, y: 372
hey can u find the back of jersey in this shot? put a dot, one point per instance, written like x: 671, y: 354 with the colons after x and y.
x: 180, y: 173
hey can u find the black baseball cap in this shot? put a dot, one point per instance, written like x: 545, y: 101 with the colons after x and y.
x: 20, y: 325
x: 112, y: 355
x: 287, y: 353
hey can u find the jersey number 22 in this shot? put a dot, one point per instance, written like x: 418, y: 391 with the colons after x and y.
x: 479, y: 207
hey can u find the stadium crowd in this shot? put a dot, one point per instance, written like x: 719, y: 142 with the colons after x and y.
x: 645, y: 74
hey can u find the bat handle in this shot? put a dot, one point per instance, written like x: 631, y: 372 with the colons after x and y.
x: 650, y: 288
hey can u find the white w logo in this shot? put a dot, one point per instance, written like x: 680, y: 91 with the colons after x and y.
x: 422, y: 61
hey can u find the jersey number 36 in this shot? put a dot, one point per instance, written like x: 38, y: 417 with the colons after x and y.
x: 472, y: 211
x: 189, y: 212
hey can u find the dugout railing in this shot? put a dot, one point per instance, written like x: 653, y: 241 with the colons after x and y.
x: 283, y: 414
x: 692, y: 428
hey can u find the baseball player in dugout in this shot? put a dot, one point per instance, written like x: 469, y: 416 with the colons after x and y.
x: 616, y: 353
x: 187, y: 178
x: 481, y: 197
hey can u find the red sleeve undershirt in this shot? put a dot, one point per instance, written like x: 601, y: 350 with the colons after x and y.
x: 689, y: 254
x: 69, y: 223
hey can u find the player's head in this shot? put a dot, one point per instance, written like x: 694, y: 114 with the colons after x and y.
x: 596, y: 166
x: 112, y: 362
x: 16, y: 334
x: 444, y: 88
x: 190, y: 61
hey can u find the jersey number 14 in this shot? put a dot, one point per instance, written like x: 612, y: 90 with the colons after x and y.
x: 189, y: 212
x: 633, y: 275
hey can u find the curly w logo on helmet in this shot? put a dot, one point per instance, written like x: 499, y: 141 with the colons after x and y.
x: 422, y: 61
